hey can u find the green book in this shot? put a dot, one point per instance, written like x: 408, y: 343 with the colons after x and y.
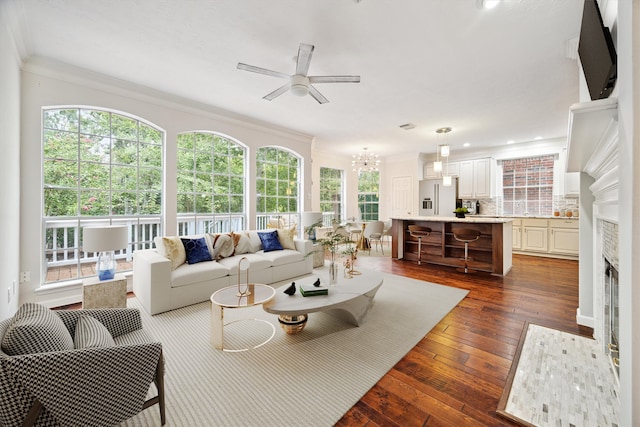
x: 310, y: 290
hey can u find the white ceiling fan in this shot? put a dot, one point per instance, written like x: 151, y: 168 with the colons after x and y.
x: 299, y: 83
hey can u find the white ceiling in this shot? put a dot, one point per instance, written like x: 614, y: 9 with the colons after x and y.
x: 492, y: 75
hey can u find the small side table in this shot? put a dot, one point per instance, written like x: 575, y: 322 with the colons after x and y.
x: 98, y: 293
x: 228, y: 298
x: 318, y: 255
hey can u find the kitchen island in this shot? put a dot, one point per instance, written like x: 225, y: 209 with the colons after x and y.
x: 490, y: 253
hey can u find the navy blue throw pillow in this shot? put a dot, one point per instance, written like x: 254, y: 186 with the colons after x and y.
x: 197, y: 250
x: 270, y: 241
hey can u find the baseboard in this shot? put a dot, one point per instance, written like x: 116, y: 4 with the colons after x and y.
x: 584, y: 320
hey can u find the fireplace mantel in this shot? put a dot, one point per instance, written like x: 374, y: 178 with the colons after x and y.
x: 592, y: 148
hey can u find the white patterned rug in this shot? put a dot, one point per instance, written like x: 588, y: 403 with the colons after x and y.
x: 560, y: 379
x: 309, y: 379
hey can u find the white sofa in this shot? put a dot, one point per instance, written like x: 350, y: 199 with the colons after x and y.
x: 160, y: 288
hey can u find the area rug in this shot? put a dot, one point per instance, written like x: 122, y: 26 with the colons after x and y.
x: 559, y: 379
x: 309, y: 379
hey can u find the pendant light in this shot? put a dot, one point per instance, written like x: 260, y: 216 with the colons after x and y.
x: 444, y: 151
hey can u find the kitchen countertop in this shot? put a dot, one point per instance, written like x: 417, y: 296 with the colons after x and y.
x: 468, y: 219
x: 524, y: 216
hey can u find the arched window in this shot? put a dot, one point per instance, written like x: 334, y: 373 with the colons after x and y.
x: 277, y: 187
x: 99, y: 167
x: 211, y: 184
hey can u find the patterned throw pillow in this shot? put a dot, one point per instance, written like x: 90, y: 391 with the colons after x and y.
x: 222, y: 246
x: 196, y: 250
x: 174, y: 251
x: 286, y: 235
x: 242, y: 243
x: 270, y: 240
x: 90, y: 332
x: 36, y: 329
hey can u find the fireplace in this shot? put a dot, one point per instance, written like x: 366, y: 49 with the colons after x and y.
x: 612, y: 312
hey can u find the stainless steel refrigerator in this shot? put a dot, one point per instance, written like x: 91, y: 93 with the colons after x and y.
x: 436, y: 199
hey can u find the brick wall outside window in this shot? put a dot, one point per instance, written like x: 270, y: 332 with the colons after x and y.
x: 527, y: 185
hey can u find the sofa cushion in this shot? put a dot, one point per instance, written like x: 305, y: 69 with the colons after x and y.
x: 188, y: 274
x: 242, y: 243
x: 270, y: 241
x: 254, y: 239
x: 90, y: 332
x: 256, y: 262
x: 283, y: 257
x: 196, y: 250
x: 36, y: 329
x: 285, y: 236
x: 222, y: 245
x: 173, y: 249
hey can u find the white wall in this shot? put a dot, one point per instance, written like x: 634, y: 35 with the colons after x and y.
x: 628, y: 47
x: 46, y: 83
x: 9, y: 170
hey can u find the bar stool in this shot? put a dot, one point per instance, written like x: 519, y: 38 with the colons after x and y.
x: 467, y: 236
x: 419, y: 232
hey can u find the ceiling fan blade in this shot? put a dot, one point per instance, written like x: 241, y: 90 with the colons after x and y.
x: 260, y: 70
x: 276, y: 93
x: 317, y: 95
x: 334, y: 79
x: 304, y: 58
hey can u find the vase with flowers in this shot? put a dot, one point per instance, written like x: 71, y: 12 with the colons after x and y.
x: 332, y: 242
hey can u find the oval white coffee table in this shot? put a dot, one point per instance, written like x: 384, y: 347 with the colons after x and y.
x: 349, y: 300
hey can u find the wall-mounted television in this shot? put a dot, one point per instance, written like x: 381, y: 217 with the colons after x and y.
x: 597, y: 52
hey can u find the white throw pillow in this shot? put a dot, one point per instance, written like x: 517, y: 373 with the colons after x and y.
x: 174, y: 251
x: 222, y: 246
x: 285, y: 235
x: 241, y: 242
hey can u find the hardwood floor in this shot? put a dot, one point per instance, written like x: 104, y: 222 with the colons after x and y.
x: 456, y: 374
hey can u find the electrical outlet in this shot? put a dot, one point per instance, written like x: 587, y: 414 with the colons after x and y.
x: 25, y: 276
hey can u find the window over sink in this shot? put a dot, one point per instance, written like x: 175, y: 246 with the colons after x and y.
x: 527, y: 185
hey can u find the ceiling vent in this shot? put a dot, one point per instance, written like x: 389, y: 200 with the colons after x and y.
x: 407, y: 126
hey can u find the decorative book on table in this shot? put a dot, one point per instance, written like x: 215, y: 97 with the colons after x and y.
x: 308, y: 290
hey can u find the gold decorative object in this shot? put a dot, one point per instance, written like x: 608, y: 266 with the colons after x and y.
x: 292, y: 324
x: 243, y: 265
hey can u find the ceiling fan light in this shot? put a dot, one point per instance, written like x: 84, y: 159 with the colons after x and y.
x: 299, y: 90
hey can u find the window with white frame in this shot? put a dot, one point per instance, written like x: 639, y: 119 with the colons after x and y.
x: 99, y: 167
x: 277, y: 187
x: 331, y: 194
x: 368, y: 195
x: 210, y: 183
x: 527, y: 185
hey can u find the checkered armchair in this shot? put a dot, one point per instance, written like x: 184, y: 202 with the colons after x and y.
x: 94, y: 386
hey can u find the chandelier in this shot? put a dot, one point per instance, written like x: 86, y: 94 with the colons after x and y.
x: 365, y: 162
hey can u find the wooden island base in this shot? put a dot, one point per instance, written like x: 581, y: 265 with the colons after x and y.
x: 490, y: 253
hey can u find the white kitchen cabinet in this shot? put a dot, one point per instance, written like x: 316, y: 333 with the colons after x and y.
x: 564, y: 236
x: 535, y: 234
x: 517, y: 234
x: 477, y: 179
x: 429, y: 173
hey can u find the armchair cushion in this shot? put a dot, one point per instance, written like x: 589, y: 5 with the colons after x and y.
x: 90, y: 332
x: 36, y: 329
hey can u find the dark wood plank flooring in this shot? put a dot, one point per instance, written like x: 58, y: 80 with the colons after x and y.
x: 456, y: 374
